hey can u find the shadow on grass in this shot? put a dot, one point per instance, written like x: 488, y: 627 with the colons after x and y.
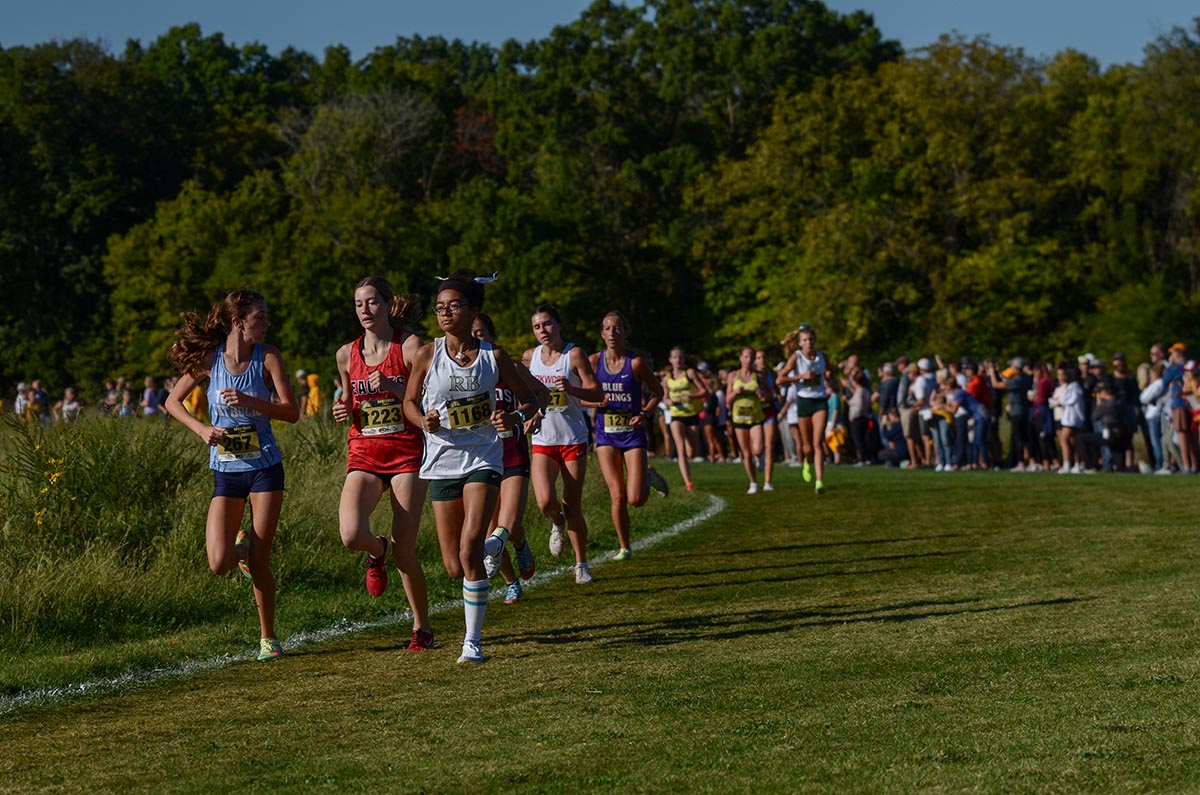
x: 723, y: 570
x: 818, y: 545
x: 729, y: 626
x: 725, y: 582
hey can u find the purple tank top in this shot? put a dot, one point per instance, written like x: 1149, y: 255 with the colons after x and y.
x: 624, y: 393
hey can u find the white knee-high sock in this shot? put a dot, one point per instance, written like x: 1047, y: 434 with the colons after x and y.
x: 475, y: 600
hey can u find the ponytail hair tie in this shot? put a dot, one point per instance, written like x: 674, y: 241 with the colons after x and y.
x: 478, y: 279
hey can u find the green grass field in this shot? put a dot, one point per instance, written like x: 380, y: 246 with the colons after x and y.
x: 907, y: 631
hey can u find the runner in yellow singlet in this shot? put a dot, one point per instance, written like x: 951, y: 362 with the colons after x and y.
x: 685, y: 392
x: 744, y: 396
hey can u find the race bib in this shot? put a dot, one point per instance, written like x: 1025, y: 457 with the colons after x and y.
x: 558, y: 400
x: 240, y: 444
x: 617, y: 422
x: 743, y: 413
x: 469, y: 413
x: 814, y: 380
x: 382, y: 416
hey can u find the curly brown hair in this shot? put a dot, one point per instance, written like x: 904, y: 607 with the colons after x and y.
x: 201, y: 336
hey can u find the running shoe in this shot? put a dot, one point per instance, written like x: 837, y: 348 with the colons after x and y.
x: 422, y: 640
x: 753, y: 489
x: 525, y: 563
x: 657, y: 481
x: 377, y: 576
x: 493, y: 551
x: 583, y: 575
x: 513, y: 592
x: 269, y: 649
x: 241, y: 548
x: 768, y: 487
x: 806, y: 472
x: 472, y: 652
x: 625, y: 554
x: 556, y: 540
x: 820, y: 487
x: 690, y: 485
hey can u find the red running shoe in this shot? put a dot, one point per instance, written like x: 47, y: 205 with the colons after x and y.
x: 377, y: 571
x: 422, y: 640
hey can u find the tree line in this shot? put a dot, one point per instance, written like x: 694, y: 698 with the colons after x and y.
x: 717, y: 169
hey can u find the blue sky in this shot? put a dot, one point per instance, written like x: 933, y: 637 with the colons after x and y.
x: 1113, y: 31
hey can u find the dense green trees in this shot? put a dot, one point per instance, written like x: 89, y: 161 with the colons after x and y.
x: 718, y: 169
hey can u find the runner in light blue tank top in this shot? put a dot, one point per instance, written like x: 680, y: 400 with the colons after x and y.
x: 249, y: 442
x: 246, y: 463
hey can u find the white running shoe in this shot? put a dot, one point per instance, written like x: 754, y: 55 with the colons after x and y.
x: 768, y: 487
x: 1077, y: 470
x: 753, y: 489
x: 937, y: 468
x: 472, y: 652
x: 556, y: 540
x: 493, y: 552
x: 1163, y: 471
x: 583, y: 575
x: 1065, y: 469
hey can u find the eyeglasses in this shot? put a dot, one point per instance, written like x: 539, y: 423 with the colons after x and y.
x: 452, y: 308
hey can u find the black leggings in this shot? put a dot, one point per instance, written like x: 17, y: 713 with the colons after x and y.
x: 1018, y: 440
x: 858, y: 434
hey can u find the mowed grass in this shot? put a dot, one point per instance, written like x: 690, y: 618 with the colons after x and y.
x: 907, y: 631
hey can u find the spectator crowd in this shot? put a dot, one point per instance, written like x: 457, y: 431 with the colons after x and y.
x: 1072, y: 417
x: 1082, y: 416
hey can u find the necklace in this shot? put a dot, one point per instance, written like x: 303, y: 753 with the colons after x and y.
x: 462, y: 356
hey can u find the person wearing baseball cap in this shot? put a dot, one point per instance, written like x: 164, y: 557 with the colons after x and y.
x: 923, y: 388
x: 1016, y: 384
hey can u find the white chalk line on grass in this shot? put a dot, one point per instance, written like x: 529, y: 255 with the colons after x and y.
x: 339, y: 629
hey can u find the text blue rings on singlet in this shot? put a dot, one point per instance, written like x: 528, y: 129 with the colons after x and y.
x: 623, y: 392
x: 250, y: 442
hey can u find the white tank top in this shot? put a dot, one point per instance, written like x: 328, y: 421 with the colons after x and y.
x: 464, y: 398
x: 812, y: 371
x: 565, y: 422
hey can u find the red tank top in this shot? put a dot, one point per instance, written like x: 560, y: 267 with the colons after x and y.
x: 379, y: 439
x: 516, y: 446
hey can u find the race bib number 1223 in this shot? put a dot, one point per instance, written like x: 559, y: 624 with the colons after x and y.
x: 381, y: 417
